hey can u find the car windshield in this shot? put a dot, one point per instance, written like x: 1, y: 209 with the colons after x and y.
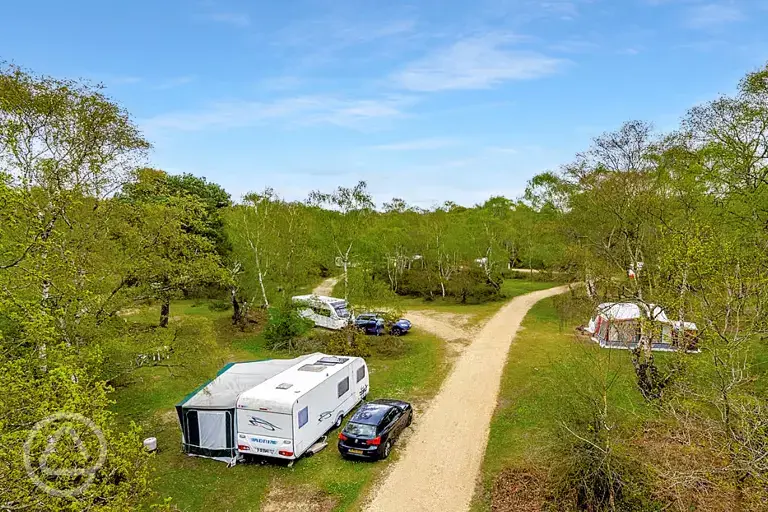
x: 360, y: 430
x: 341, y: 309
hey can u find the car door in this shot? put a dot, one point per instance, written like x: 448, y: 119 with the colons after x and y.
x: 392, y: 427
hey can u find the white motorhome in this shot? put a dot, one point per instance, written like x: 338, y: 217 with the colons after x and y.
x: 327, y: 312
x: 285, y: 415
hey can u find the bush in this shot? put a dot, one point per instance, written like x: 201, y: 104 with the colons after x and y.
x: 468, y: 286
x: 588, y: 476
x: 349, y: 341
x: 284, y: 326
x: 389, y: 346
x: 219, y: 305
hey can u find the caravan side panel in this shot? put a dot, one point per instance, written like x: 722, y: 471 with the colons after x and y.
x: 320, y: 407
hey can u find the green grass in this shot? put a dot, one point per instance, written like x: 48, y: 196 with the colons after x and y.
x: 201, y: 484
x: 478, y: 313
x: 543, y: 369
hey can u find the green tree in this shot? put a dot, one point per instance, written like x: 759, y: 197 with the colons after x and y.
x: 64, y: 148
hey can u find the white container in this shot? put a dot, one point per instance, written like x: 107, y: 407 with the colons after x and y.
x: 150, y: 444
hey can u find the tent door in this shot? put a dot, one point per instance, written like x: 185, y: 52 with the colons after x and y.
x: 213, y: 429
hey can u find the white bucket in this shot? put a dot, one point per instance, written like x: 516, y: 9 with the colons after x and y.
x: 150, y: 444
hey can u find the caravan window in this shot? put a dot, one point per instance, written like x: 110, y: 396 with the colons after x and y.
x: 360, y: 373
x: 303, y: 416
x: 343, y: 386
x: 322, y: 311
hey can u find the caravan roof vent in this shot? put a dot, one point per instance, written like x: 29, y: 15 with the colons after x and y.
x: 312, y: 368
x: 331, y: 360
x: 285, y: 385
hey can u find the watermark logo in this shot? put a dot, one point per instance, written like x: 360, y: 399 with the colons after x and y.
x: 63, y: 453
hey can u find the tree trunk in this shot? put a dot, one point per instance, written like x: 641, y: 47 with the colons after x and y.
x: 165, y: 310
x: 346, y: 281
x: 263, y: 290
x: 236, y: 313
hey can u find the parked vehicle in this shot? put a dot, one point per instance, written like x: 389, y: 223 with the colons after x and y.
x: 327, y: 312
x: 375, y: 323
x: 374, y: 429
x: 285, y: 415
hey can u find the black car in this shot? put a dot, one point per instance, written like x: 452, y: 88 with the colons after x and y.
x: 374, y: 428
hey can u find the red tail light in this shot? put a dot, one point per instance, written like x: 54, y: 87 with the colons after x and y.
x: 342, y: 437
x: 374, y: 442
x: 285, y: 453
x: 243, y: 447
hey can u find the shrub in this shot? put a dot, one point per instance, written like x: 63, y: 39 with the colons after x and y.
x: 595, y: 476
x: 389, y: 346
x: 284, y: 326
x: 349, y: 341
x: 219, y: 305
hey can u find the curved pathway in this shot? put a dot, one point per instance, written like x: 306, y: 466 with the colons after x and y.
x: 438, y: 468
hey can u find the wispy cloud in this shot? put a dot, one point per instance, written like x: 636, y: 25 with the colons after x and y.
x: 111, y: 80
x: 417, y: 144
x: 322, y: 40
x: 342, y: 32
x: 232, y: 18
x: 300, y: 110
x: 713, y: 15
x: 475, y: 63
x: 174, y: 82
x: 574, y: 46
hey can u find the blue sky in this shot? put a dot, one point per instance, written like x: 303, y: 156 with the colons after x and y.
x: 426, y: 100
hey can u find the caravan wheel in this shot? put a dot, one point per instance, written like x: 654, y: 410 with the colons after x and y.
x: 339, y: 420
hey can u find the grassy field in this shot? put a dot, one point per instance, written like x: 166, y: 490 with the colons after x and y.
x: 543, y: 367
x: 199, y: 484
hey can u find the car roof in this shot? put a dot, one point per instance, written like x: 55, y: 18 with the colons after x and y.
x: 371, y: 413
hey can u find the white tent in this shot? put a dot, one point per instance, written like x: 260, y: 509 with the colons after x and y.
x: 621, y: 324
x: 207, y: 415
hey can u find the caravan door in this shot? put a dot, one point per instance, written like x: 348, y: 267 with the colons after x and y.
x: 361, y: 378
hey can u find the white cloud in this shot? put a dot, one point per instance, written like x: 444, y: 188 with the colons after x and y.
x: 302, y: 110
x: 713, y: 15
x: 417, y: 145
x: 172, y: 83
x: 231, y: 18
x: 475, y: 63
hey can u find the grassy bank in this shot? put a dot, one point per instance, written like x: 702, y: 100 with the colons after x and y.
x: 199, y: 484
x: 544, y: 367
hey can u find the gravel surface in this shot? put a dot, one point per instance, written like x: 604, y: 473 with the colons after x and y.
x: 438, y: 468
x: 448, y: 326
x: 326, y: 287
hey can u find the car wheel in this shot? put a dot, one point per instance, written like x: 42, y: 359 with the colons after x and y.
x: 410, y: 420
x: 387, y: 449
x: 339, y: 420
x: 396, y: 331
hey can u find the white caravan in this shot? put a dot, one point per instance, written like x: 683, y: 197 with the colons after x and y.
x: 327, y: 312
x: 285, y: 415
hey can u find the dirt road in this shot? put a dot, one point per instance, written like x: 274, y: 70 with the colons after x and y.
x: 326, y: 287
x: 439, y: 466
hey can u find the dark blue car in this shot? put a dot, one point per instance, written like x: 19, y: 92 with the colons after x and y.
x: 374, y: 323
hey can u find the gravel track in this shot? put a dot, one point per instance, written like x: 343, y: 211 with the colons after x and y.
x: 438, y: 468
x: 326, y: 287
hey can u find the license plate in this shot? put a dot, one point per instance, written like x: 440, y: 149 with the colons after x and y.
x: 262, y: 450
x: 356, y: 452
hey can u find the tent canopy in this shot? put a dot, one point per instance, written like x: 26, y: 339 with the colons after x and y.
x: 624, y: 311
x: 206, y: 415
x: 222, y: 391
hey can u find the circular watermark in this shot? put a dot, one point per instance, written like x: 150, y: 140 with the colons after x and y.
x: 70, y: 428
